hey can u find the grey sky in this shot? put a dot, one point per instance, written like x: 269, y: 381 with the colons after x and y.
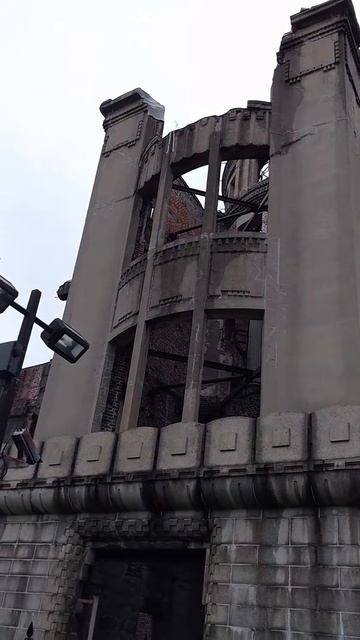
x: 60, y: 60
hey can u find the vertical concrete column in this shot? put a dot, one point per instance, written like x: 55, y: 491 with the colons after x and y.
x: 132, y: 401
x: 71, y: 399
x: 311, y: 348
x: 198, y: 327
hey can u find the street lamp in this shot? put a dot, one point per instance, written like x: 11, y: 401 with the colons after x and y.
x: 58, y: 336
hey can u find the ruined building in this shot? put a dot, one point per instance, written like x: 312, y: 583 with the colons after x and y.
x: 200, y: 464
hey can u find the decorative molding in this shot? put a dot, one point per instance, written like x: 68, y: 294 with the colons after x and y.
x: 128, y: 142
x: 324, y: 66
x: 254, y: 243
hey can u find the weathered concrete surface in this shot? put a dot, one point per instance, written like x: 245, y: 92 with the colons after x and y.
x: 311, y: 348
x: 181, y: 446
x: 282, y: 437
x: 74, y: 396
x: 229, y: 441
x: 136, y: 450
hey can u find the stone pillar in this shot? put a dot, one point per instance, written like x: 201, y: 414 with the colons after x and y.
x: 311, y: 352
x: 74, y: 392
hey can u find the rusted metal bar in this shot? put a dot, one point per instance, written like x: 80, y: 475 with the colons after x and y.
x: 209, y: 364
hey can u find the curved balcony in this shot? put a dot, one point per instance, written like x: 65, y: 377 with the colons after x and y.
x: 244, y: 134
x: 236, y: 278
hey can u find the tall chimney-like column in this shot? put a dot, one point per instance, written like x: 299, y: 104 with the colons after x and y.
x: 72, y: 393
x: 311, y: 347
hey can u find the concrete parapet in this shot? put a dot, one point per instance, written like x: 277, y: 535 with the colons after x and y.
x: 282, y: 437
x: 94, y: 454
x: 57, y: 457
x: 229, y: 441
x: 136, y: 450
x: 180, y: 446
x: 18, y: 474
x: 336, y: 432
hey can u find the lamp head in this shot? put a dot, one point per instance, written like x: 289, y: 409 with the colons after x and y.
x: 64, y: 340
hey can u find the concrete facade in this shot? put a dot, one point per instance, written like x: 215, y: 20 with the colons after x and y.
x: 141, y: 455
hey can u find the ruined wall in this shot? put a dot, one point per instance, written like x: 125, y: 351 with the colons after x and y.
x: 29, y: 393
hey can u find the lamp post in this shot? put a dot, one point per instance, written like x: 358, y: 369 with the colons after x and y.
x: 58, y: 336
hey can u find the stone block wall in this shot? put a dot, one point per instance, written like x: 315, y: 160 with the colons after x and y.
x: 274, y: 574
x: 292, y: 573
x: 40, y: 562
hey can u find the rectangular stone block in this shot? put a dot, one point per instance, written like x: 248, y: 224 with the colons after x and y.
x: 94, y: 454
x: 270, y: 531
x: 336, y: 432
x: 41, y: 585
x: 180, y: 446
x: 349, y: 528
x: 136, y: 450
x: 350, y: 624
x: 7, y: 633
x: 30, y: 567
x: 350, y: 577
x: 237, y: 554
x: 5, y: 566
x: 276, y: 619
x: 282, y: 437
x: 314, y: 576
x: 11, y: 532
x: 234, y: 594
x: 305, y: 530
x: 28, y: 601
x: 229, y: 441
x: 287, y: 555
x: 15, y: 583
x: 37, y: 532
x: 223, y: 530
x: 318, y: 622
x: 218, y: 632
x: 220, y: 573
x: 339, y: 599
x: 218, y: 614
x: 252, y: 617
x: 57, y: 457
x: 9, y: 618
x: 296, y: 597
x: 24, y: 551
x: 339, y: 556
x: 250, y: 574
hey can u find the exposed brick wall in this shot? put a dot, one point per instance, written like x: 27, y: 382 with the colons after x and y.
x: 171, y: 335
x: 30, y: 389
x: 185, y: 211
x: 284, y: 572
x: 117, y: 387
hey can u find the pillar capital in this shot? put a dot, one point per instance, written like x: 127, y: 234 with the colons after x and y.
x: 331, y: 11
x: 130, y: 101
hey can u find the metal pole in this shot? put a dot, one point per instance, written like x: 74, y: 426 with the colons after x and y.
x: 30, y: 631
x: 8, y: 386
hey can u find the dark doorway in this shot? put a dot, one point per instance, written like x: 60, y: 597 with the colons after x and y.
x: 149, y: 595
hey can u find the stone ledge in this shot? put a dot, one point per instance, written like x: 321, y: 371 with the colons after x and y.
x: 285, y: 443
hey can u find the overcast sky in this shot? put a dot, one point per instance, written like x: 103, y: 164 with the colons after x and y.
x: 60, y: 60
